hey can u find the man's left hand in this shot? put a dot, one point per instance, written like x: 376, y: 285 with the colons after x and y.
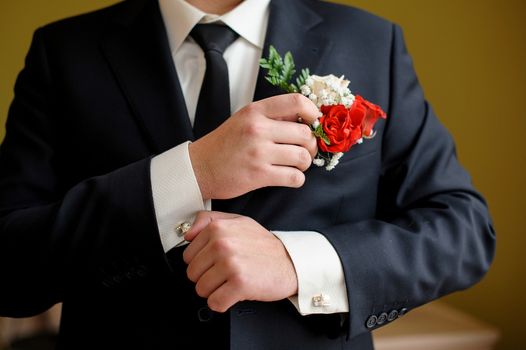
x: 232, y: 258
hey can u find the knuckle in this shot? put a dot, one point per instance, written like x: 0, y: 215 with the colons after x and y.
x: 245, y: 219
x: 297, y: 99
x: 304, y: 158
x: 254, y: 128
x: 259, y: 174
x: 313, y: 142
x: 222, y: 245
x: 255, y: 153
x: 201, y: 215
x: 230, y: 264
x: 251, y: 108
x: 238, y: 280
x: 186, y: 258
x: 232, y: 267
x: 297, y: 179
x: 216, y: 305
x: 256, y: 173
x: 307, y: 133
x: 313, y: 147
x: 216, y: 226
x: 201, y: 291
x: 190, y: 274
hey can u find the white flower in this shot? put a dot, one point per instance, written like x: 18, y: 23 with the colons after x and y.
x: 318, y: 162
x: 335, y: 160
x: 305, y: 90
x: 330, y: 89
x: 327, y: 100
x: 338, y: 155
x: 332, y: 165
x: 313, y: 98
x: 316, y: 124
x: 347, y: 101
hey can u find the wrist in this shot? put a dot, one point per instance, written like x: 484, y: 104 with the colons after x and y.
x: 200, y: 170
x: 290, y: 271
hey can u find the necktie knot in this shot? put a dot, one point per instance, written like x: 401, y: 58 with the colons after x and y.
x: 213, y: 37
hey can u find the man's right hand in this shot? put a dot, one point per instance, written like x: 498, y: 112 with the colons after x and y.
x: 261, y: 145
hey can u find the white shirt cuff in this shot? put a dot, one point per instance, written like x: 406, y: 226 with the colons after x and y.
x: 176, y: 194
x: 321, y: 281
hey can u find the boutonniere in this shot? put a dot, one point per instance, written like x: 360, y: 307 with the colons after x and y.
x: 346, y: 119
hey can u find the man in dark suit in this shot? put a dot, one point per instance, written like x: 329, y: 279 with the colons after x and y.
x: 98, y: 182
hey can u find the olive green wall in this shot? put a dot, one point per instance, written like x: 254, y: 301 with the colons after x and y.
x: 470, y: 57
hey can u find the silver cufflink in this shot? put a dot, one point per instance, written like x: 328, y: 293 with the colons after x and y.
x: 321, y: 300
x: 182, y: 229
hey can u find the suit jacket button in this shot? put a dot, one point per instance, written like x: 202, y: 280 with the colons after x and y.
x: 382, y: 318
x: 402, y: 312
x: 371, y: 321
x: 205, y: 314
x: 392, y: 315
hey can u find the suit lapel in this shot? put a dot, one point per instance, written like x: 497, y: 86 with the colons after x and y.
x: 138, y: 52
x: 291, y: 27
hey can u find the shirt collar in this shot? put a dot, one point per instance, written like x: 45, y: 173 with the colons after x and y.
x: 249, y: 19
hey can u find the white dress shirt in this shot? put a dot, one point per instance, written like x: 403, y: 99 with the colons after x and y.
x: 176, y: 194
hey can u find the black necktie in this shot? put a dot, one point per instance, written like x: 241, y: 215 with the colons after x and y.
x: 213, y: 106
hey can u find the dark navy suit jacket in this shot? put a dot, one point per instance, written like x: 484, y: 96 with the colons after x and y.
x: 99, y: 96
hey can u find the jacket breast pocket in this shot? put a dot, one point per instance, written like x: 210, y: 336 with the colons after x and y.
x: 346, y: 193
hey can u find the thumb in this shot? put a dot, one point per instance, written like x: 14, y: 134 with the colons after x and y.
x: 202, y: 219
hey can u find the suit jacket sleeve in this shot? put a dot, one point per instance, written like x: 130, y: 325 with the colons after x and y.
x: 432, y: 234
x: 95, y: 235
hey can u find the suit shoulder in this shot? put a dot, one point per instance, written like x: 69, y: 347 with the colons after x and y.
x: 330, y: 9
x: 344, y: 16
x: 90, y: 23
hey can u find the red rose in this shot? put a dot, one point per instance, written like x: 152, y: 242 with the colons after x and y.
x: 372, y: 114
x: 346, y: 126
x: 341, y: 126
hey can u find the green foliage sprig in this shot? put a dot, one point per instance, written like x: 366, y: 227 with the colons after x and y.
x: 319, y: 133
x: 280, y: 71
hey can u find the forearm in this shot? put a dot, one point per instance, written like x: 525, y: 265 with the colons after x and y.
x: 101, y: 234
x: 413, y: 259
